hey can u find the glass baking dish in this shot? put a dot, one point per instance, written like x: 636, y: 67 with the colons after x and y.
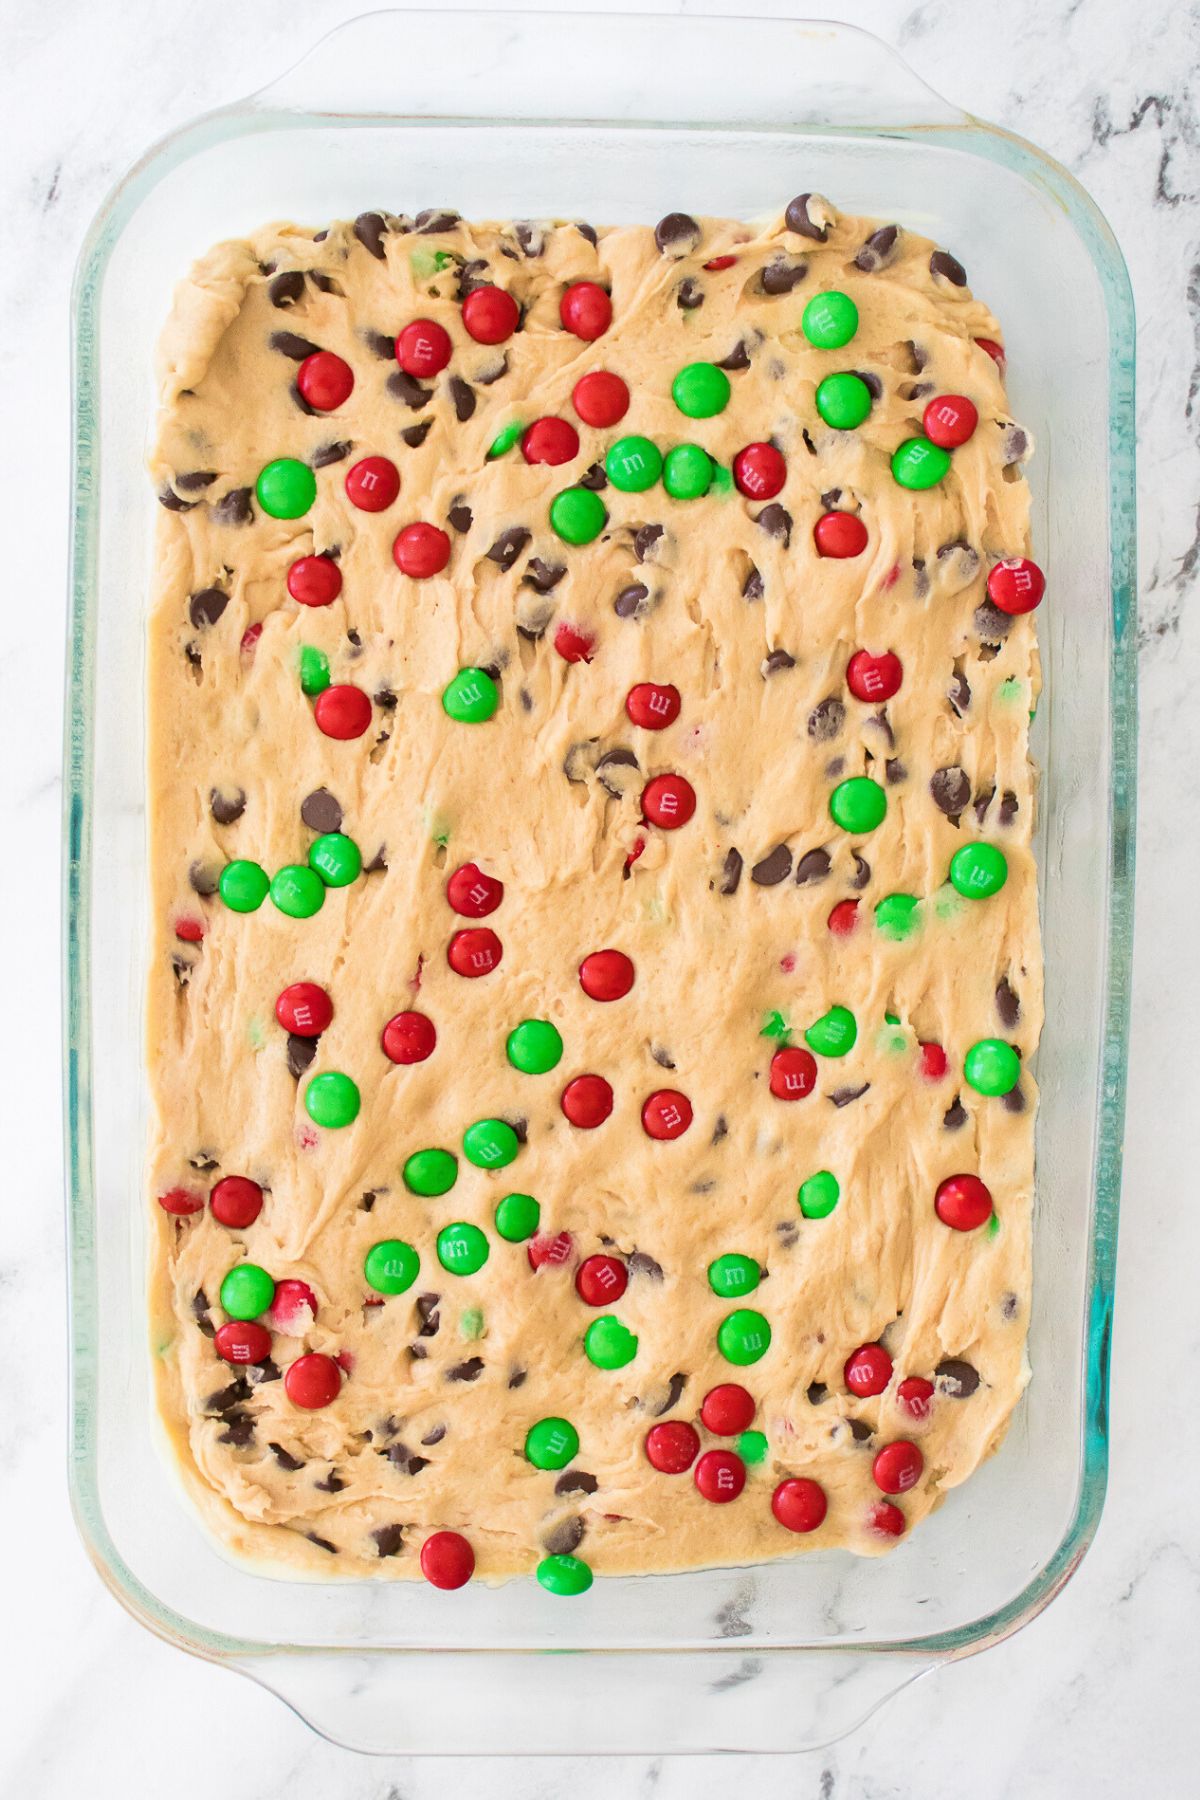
x: 545, y: 116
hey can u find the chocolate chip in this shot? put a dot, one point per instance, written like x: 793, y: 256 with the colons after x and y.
x: 1009, y: 1306
x: 470, y: 1370
x: 738, y: 358
x: 542, y: 576
x: 798, y: 218
x: 1008, y: 807
x: 563, y: 1538
x: 959, y: 692
x: 203, y: 878
x: 508, y: 546
x: 285, y: 1459
x: 957, y: 1378
x: 228, y: 1399
x: 843, y: 1096
x: 813, y: 866
x: 612, y: 761
x: 773, y: 868
x: 782, y: 275
x: 895, y: 771
x: 387, y: 700
x: 731, y: 871
x: 991, y: 623
x: 752, y: 587
x: 206, y: 607
x: 289, y: 343
x: 437, y: 218
x: 871, y: 382
x: 427, y: 1312
x: 326, y: 283
x: 239, y: 1431
x: 471, y: 275
x: 816, y: 1393
x: 320, y: 811
x: 530, y: 236
x: 689, y: 294
x: 951, y: 790
x: 983, y: 800
x: 234, y: 508
x: 332, y: 1484
x: 460, y: 517
x: 1007, y: 1003
x: 173, y: 503
x: 1014, y: 1101
x: 675, y: 1388
x: 286, y: 289
x: 518, y: 1378
x: 463, y: 397
x: 955, y: 1116
x: 879, y: 250
x: 777, y: 521
x: 402, y: 1458
x: 594, y: 478
x: 862, y: 872
x: 300, y: 1052
x: 942, y: 263
x: 576, y: 1481
x: 638, y: 1263
x: 381, y: 344
x: 200, y: 1304
x: 196, y: 480
x: 628, y: 603
x: 389, y: 1539
x: 808, y: 443
x: 367, y: 1201
x: 644, y: 540
x: 777, y: 661
x: 860, y: 1431
x: 322, y: 1543
x: 677, y: 235
x: 720, y: 1129
x: 826, y: 720
x: 227, y: 805
x: 1014, y: 447
x: 370, y: 229
x: 414, y: 435
x: 407, y: 389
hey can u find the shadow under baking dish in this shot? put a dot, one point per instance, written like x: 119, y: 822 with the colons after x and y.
x: 789, y: 1655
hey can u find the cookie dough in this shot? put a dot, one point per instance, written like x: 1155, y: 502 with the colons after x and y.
x: 596, y: 955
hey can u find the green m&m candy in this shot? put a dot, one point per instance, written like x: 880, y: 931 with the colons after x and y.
x: 577, y: 515
x: 744, y: 1336
x: 504, y: 439
x: 701, y: 390
x: 896, y: 916
x: 920, y: 464
x: 517, y: 1217
x: 336, y: 859
x: 564, y: 1575
x: 286, y: 488
x: 430, y: 1172
x: 819, y: 1195
x: 858, y: 804
x: 243, y: 886
x: 834, y: 1033
x: 297, y: 891
x: 332, y: 1100
x: 391, y: 1266
x: 609, y: 1344
x: 687, y: 472
x: 490, y: 1143
x: 246, y: 1291
x: 992, y: 1067
x: 462, y: 1248
x: 534, y: 1046
x: 830, y: 320
x: 843, y: 401
x: 551, y: 1443
x: 978, y: 870
x: 733, y: 1274
x: 633, y: 464
x: 751, y: 1446
x: 314, y: 671
x: 471, y: 697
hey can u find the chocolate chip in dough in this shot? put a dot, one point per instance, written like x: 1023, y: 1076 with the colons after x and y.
x: 942, y: 263
x: 291, y: 344
x: 518, y: 1378
x: 983, y: 800
x: 508, y: 546
x: 326, y: 283
x: 286, y: 289
x: 813, y: 866
x: 200, y: 1305
x: 816, y: 1393
x: 776, y: 662
x: 677, y: 234
x: 845, y: 1096
x: 576, y: 1481
x: 370, y: 228
x: 381, y: 344
x: 879, y: 250
x: 1014, y: 1101
x: 826, y: 720
x: 644, y: 540
x: 389, y: 1539
x: 773, y: 868
x: 638, y: 1263
x: 594, y: 478
x: 463, y: 397
x: 951, y: 790
x: 776, y: 521
x: 862, y: 872
x: 1007, y: 1003
x: 322, y: 1543
x: 206, y: 607
x: 234, y: 508
x: 738, y: 358
x: 168, y: 498
x: 1014, y: 447
x: 955, y: 1116
x: 608, y: 771
x: 957, y: 1378
x: 437, y: 218
x: 959, y: 692
x: 689, y: 294
x: 1008, y: 807
x: 675, y: 1389
x: 782, y: 275
x: 203, y: 878
x: 407, y: 389
x: 752, y: 586
x: 320, y: 811
x: 239, y: 1431
x: 860, y: 1431
x: 285, y: 1459
x: 196, y: 480
x: 563, y: 1538
x: 629, y: 602
x: 472, y: 275
x: 731, y: 871
x: 414, y: 435
x: 227, y: 804
x: 470, y: 1370
x: 460, y: 517
x: 542, y: 576
x: 486, y: 377
x: 333, y: 452
x: 300, y: 1053
x: 990, y: 623
x: 332, y: 1483
x: 799, y: 217
x: 871, y: 382
x: 894, y: 771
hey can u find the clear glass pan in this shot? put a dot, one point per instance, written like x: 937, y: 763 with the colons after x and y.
x: 794, y: 1654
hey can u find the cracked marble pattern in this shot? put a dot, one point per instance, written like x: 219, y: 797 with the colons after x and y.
x: 1097, y: 1696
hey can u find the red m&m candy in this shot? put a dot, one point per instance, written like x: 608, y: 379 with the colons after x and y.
x: 587, y: 1101
x: 760, y: 471
x: 843, y: 918
x: 793, y: 1073
x: 799, y: 1504
x: 586, y: 310
x: 915, y: 1396
x: 325, y: 380
x: 314, y: 580
x: 995, y: 351
x: 242, y: 1341
x: 293, y: 1311
x: 897, y: 1467
x: 720, y: 1476
x: 304, y: 1009
x: 868, y: 1370
x: 410, y: 1037
x: 472, y: 893
x: 421, y: 550
x: 963, y: 1202
x: 550, y: 441
x: 1016, y: 585
x: 343, y: 711
x: 474, y: 953
x: 545, y: 1251
x: 653, y: 705
x: 236, y: 1201
x: 447, y: 1560
x: 312, y: 1381
x: 673, y: 1447
x: 840, y: 534
x: 601, y: 399
x: 190, y: 931
x: 423, y: 348
x: 727, y: 1410
x: 372, y: 484
x: 716, y: 263
x: 181, y: 1202
x: 933, y: 1062
x: 601, y: 1280
x: 886, y: 1519
x: 950, y: 420
x: 606, y: 975
x: 668, y: 801
x: 490, y: 315
x: 666, y: 1114
x: 573, y: 644
x: 874, y: 678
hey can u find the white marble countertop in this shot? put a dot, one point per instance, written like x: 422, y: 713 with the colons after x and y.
x: 1098, y: 1695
